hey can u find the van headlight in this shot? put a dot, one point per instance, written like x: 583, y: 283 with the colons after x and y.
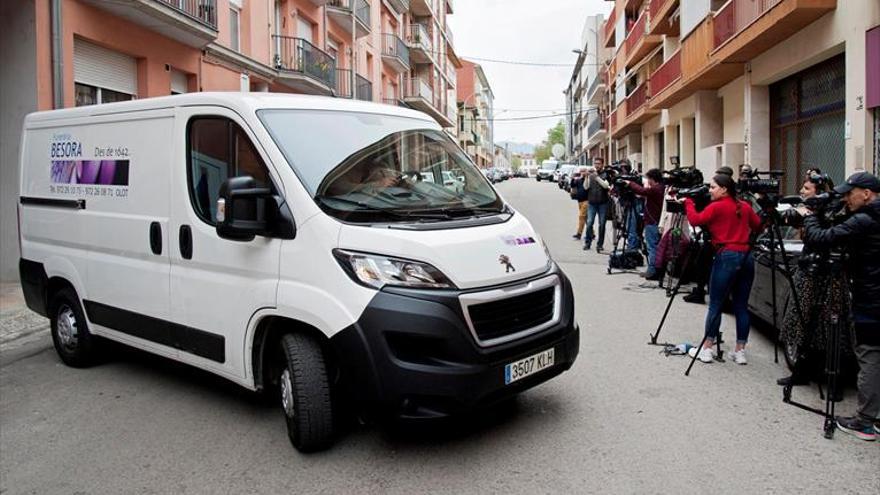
x: 377, y: 271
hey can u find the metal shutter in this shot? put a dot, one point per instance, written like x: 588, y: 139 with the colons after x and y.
x: 103, y: 68
x: 178, y: 82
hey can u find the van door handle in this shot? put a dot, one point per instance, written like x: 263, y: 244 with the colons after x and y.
x: 156, y: 238
x: 186, y: 242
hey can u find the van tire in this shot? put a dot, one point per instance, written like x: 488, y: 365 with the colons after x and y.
x: 73, y: 341
x: 304, y: 393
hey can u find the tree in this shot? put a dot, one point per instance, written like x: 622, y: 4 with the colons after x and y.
x: 516, y: 162
x: 555, y: 135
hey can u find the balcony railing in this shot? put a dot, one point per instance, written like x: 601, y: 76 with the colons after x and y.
x: 668, y: 73
x: 393, y: 46
x: 654, y: 7
x: 416, y: 87
x: 451, y: 74
x: 364, y: 89
x: 401, y: 6
x: 204, y: 11
x: 636, y: 99
x: 595, y: 84
x: 636, y: 33
x: 343, y: 83
x: 298, y: 55
x: 362, y: 12
x: 609, y: 24
x: 595, y: 126
x: 736, y: 15
x: 393, y: 101
x: 418, y: 37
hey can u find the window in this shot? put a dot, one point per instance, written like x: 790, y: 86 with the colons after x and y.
x: 92, y: 95
x: 219, y: 149
x: 234, y: 28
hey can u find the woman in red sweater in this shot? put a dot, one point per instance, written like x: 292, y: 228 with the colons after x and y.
x: 730, y: 222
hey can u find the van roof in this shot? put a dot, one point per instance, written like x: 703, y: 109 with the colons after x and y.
x: 243, y: 102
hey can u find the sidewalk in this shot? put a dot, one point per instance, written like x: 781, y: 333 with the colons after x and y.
x: 18, y: 324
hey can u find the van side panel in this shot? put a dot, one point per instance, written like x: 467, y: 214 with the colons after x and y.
x: 118, y: 168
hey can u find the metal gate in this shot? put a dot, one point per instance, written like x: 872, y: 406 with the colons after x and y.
x: 807, y: 123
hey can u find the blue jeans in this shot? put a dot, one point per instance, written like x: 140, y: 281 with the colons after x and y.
x: 652, y: 238
x: 632, y: 227
x: 732, y: 273
x: 601, y: 210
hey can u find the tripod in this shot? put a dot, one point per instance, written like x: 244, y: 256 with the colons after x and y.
x: 833, y: 264
x: 677, y: 224
x: 622, y: 229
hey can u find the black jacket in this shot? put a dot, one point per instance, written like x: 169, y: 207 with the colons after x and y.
x: 577, y: 187
x: 860, y: 234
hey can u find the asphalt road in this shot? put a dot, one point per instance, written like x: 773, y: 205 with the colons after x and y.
x: 624, y: 419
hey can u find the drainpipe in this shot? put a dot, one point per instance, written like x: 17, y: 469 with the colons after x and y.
x: 354, y: 6
x: 57, y: 57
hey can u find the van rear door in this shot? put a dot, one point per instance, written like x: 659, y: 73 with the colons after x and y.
x: 216, y: 284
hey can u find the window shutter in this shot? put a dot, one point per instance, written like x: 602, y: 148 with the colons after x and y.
x: 97, y: 66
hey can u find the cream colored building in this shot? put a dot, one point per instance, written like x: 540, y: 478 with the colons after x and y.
x: 777, y: 84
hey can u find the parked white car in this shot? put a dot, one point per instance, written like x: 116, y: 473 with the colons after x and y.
x: 287, y: 244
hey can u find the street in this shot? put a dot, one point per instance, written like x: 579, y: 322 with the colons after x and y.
x: 624, y: 419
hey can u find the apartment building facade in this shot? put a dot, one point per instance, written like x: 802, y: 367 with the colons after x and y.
x: 777, y: 84
x: 476, y: 114
x: 585, y: 113
x: 81, y: 52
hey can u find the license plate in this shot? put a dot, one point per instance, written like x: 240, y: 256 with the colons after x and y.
x: 528, y: 366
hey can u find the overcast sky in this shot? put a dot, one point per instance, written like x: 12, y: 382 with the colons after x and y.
x: 523, y: 30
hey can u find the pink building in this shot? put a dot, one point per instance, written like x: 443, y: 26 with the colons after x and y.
x: 79, y: 52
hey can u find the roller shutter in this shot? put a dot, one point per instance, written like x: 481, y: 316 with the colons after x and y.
x: 97, y: 66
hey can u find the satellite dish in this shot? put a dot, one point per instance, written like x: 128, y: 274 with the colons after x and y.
x: 558, y: 151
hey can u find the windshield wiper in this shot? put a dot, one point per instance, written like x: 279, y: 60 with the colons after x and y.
x: 365, y: 208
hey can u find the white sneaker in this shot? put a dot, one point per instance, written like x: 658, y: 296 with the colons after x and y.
x: 739, y: 357
x: 706, y: 355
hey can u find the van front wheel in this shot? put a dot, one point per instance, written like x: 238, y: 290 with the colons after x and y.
x: 305, y: 393
x: 70, y: 332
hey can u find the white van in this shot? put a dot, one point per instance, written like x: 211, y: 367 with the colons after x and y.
x: 288, y: 243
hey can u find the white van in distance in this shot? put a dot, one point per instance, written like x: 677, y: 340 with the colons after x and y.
x: 292, y: 245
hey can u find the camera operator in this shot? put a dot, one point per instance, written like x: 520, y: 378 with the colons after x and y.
x: 730, y: 222
x: 597, y: 188
x: 579, y: 194
x: 861, y: 231
x: 653, y: 194
x: 805, y: 327
x: 698, y: 293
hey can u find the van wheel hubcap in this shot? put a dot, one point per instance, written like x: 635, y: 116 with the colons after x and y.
x: 287, y: 393
x: 67, y: 331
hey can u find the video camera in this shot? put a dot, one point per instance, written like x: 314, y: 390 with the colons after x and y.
x: 683, y: 177
x: 750, y: 181
x: 620, y: 174
x: 829, y: 207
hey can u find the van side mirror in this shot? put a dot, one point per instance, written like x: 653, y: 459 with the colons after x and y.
x: 245, y: 211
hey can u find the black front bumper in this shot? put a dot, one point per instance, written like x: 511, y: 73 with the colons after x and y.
x: 411, y: 354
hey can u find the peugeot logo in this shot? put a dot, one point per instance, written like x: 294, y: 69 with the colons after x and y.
x: 504, y: 260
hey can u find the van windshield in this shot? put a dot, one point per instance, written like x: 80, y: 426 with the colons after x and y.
x: 378, y: 168
x: 549, y: 165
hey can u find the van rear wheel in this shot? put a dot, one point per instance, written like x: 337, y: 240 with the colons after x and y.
x: 304, y: 391
x: 73, y: 342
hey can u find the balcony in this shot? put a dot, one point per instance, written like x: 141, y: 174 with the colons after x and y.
x: 419, y: 95
x: 191, y: 22
x: 395, y: 52
x: 303, y: 66
x: 343, y: 83
x: 596, y: 130
x: 363, y: 88
x: 394, y: 102
x: 341, y: 12
x: 743, y: 29
x: 610, y: 28
x: 697, y: 69
x: 421, y: 49
x: 666, y: 74
x: 660, y: 20
x: 612, y: 121
x: 451, y: 75
x: 421, y: 8
x: 638, y: 44
x: 399, y: 6
x: 594, y: 94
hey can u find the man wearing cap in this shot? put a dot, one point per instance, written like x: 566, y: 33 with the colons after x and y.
x: 861, y: 233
